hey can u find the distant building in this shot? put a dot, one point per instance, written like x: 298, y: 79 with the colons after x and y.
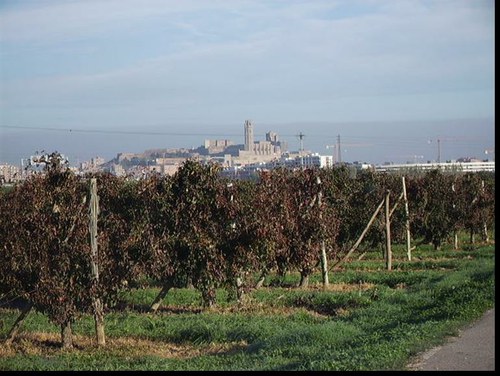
x: 444, y: 166
x: 291, y: 161
x: 218, y: 147
x: 9, y: 173
x: 315, y: 160
x: 248, y: 135
x: 117, y: 170
x: 169, y: 166
x: 93, y: 165
x: 273, y: 138
x: 259, y: 151
x: 169, y: 169
x: 228, y: 153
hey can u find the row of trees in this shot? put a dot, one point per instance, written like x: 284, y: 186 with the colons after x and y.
x: 198, y: 229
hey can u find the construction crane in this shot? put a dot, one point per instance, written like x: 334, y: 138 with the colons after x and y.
x: 438, y: 141
x: 301, y: 136
x: 337, y: 149
x: 441, y: 139
x: 439, y: 148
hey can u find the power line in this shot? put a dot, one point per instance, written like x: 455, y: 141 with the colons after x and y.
x: 389, y: 141
x: 149, y: 133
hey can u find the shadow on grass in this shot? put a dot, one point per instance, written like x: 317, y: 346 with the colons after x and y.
x: 122, y: 306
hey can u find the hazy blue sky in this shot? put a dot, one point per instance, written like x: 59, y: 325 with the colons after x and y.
x: 390, y: 76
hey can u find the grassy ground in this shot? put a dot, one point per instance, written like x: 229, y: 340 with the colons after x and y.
x: 367, y: 319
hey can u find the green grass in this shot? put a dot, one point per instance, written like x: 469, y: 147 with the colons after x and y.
x: 378, y: 322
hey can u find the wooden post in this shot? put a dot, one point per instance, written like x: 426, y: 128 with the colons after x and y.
x: 485, y: 226
x: 455, y: 233
x: 358, y: 242
x: 407, y: 212
x: 324, y: 265
x: 395, y: 205
x: 388, y: 232
x: 96, y: 302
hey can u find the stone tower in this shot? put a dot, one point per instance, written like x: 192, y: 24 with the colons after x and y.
x: 248, y: 135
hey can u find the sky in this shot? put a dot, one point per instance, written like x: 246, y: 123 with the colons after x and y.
x: 395, y: 80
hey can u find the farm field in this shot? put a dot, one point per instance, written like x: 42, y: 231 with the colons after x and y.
x: 367, y: 318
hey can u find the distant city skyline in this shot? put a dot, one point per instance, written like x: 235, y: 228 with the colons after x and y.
x: 391, y: 77
x: 361, y: 142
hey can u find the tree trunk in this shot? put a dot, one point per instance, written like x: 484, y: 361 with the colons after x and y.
x: 15, y: 328
x: 486, y: 238
x: 99, y: 323
x: 281, y: 277
x: 304, y: 280
x: 208, y: 297
x: 261, y: 280
x: 66, y: 335
x: 189, y: 283
x: 159, y: 298
x: 437, y: 244
x: 239, y: 288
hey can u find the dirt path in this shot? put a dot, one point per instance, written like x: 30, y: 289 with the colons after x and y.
x: 472, y: 350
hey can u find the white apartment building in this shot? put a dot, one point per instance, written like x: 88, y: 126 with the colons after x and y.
x: 446, y: 166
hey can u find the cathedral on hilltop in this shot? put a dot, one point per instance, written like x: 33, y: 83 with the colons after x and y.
x: 251, y: 151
